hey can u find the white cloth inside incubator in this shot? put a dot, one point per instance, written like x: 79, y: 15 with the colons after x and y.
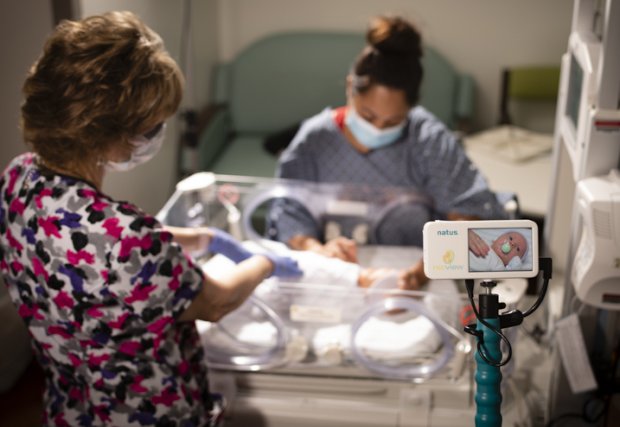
x: 238, y: 331
x: 390, y: 338
x: 258, y: 333
x: 387, y: 337
x: 397, y: 336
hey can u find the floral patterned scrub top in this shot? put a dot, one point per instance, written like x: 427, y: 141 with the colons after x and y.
x: 100, y: 284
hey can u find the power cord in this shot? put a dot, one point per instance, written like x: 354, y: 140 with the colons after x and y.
x: 471, y: 329
x: 508, y: 319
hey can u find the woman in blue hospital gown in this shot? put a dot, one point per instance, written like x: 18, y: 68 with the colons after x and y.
x: 382, y: 138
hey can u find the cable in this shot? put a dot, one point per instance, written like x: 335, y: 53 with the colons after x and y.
x: 546, y: 267
x: 469, y: 285
x: 511, y: 318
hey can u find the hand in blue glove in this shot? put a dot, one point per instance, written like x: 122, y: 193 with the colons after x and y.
x: 225, y: 244
x: 283, y: 266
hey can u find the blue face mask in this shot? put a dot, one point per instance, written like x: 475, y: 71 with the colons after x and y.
x: 370, y: 136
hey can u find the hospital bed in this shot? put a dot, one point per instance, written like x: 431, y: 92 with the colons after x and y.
x: 321, y: 351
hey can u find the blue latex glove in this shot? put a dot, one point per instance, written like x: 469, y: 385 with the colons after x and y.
x: 283, y: 266
x: 225, y: 244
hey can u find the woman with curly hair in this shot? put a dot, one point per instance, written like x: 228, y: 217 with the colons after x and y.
x: 109, y: 295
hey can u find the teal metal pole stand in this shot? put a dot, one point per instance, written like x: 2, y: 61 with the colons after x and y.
x: 488, y: 377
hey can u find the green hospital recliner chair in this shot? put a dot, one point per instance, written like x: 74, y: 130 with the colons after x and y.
x: 278, y: 81
x: 528, y: 96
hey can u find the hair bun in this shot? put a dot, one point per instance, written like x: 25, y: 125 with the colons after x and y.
x: 394, y: 35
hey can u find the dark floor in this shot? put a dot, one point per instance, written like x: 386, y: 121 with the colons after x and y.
x: 22, y: 405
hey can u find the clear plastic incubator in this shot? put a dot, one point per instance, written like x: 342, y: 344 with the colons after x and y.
x: 322, y: 350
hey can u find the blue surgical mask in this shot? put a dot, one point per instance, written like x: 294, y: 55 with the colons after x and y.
x: 369, y: 135
x: 144, y: 150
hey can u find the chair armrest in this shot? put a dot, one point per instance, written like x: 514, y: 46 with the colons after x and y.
x: 464, y: 103
x: 214, y: 130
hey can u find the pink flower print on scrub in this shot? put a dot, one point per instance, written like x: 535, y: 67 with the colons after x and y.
x: 100, y: 286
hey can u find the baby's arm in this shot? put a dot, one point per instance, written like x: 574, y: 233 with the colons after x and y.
x: 368, y: 276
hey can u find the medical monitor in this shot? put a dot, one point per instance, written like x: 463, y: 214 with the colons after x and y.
x: 480, y: 249
x: 573, y: 97
x: 578, y: 100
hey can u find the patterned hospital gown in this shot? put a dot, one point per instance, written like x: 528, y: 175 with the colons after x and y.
x: 100, y: 284
x: 427, y: 159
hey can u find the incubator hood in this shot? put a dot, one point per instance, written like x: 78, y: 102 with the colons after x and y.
x: 596, y: 270
x: 325, y: 322
x: 241, y: 205
x: 323, y: 350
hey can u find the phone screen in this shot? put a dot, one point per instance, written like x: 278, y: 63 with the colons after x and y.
x: 500, y: 249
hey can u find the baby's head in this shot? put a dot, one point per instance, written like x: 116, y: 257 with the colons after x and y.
x: 509, y: 245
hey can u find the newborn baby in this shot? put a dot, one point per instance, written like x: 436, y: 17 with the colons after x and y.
x: 318, y: 269
x: 506, y: 252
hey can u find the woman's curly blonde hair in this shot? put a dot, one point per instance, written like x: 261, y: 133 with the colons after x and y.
x: 99, y: 81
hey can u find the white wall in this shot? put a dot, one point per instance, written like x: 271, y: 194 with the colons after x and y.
x: 150, y: 185
x: 23, y: 28
x: 166, y: 18
x: 478, y: 36
x: 25, y: 24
